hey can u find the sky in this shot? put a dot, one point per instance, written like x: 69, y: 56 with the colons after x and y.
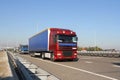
x: 96, y: 22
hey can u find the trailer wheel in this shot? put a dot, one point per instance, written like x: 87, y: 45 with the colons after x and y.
x: 43, y: 56
x: 40, y: 55
x: 76, y: 59
x: 52, y: 57
x: 32, y: 55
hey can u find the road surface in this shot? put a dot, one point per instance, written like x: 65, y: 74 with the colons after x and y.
x: 86, y: 68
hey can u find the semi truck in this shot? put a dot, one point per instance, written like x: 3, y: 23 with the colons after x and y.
x: 23, y: 49
x: 54, y: 43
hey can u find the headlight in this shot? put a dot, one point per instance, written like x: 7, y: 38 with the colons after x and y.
x: 59, y: 54
x: 74, y: 48
x: 75, y: 54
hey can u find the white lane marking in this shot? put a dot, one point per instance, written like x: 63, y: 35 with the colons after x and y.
x: 116, y: 66
x: 88, y: 62
x: 92, y: 58
x: 82, y: 70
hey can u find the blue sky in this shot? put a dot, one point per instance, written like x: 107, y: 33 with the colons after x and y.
x: 96, y: 22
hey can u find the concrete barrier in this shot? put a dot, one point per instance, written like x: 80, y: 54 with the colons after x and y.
x: 30, y: 71
x: 6, y: 69
x: 99, y: 53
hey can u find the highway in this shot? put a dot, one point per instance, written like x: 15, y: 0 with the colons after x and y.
x: 86, y: 68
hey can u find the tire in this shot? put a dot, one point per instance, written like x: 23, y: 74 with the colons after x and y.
x: 40, y: 55
x: 52, y: 57
x: 76, y: 59
x: 43, y: 56
x: 32, y: 54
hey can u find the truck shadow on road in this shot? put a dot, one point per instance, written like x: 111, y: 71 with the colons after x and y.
x: 118, y: 64
x: 38, y: 57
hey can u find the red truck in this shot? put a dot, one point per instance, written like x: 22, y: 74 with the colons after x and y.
x: 54, y: 43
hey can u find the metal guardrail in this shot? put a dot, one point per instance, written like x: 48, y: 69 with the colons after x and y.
x: 100, y: 53
x: 31, y: 71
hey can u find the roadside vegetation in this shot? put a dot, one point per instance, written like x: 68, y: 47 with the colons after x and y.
x: 96, y: 48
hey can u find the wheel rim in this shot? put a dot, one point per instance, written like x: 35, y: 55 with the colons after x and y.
x: 42, y: 56
x: 52, y: 58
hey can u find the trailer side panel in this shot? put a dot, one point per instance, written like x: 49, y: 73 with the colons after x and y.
x: 39, y: 42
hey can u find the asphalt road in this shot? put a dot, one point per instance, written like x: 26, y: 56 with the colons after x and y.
x: 86, y: 68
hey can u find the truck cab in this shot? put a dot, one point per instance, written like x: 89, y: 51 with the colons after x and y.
x: 23, y: 49
x: 65, y: 44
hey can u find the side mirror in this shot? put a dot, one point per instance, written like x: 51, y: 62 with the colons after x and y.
x: 76, y: 38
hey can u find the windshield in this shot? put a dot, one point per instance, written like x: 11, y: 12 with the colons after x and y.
x: 25, y: 48
x: 65, y: 38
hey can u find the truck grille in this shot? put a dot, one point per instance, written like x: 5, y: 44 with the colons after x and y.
x: 67, y: 53
x: 65, y: 48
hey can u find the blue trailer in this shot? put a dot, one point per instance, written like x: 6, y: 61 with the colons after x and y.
x: 39, y: 42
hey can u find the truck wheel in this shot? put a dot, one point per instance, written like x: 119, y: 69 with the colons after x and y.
x: 76, y: 59
x: 52, y: 57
